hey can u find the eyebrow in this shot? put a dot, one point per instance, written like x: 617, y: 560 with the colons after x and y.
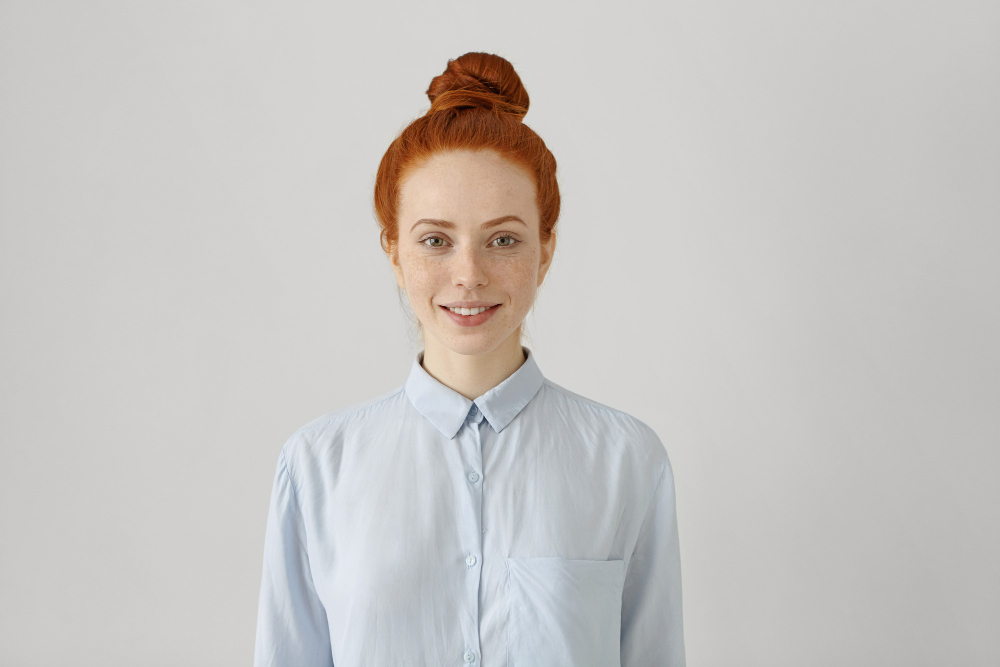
x: 451, y: 225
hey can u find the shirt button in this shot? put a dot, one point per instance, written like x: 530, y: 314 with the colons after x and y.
x: 471, y: 560
x: 473, y: 477
x: 470, y: 656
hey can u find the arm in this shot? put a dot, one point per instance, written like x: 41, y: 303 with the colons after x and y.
x: 652, y: 621
x: 292, y: 628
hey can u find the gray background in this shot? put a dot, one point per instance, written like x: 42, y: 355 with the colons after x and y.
x: 778, y: 247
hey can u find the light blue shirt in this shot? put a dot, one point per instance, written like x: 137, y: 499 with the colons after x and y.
x: 530, y: 527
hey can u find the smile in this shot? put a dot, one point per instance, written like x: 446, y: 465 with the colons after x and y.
x: 470, y: 317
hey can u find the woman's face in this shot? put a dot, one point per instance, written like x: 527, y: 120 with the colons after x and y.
x: 468, y: 231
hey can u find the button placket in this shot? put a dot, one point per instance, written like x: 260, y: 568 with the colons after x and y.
x: 473, y: 458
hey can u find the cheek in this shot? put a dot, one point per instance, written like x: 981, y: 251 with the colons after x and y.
x: 514, y: 274
x: 421, y: 271
x: 517, y: 277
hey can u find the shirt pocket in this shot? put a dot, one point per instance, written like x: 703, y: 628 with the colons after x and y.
x: 564, y: 612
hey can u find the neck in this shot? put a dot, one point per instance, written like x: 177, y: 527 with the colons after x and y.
x: 472, y: 375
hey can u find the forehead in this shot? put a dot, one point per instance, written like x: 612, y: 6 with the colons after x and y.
x: 467, y: 187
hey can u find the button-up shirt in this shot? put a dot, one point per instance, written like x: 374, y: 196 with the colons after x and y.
x: 531, y: 526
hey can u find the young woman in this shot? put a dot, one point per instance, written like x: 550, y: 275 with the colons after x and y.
x: 479, y: 514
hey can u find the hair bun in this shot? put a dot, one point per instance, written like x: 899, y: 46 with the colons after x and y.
x: 481, y: 81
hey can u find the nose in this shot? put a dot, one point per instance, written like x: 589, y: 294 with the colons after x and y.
x: 468, y: 270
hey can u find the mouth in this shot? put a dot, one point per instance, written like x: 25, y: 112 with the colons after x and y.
x: 471, y: 320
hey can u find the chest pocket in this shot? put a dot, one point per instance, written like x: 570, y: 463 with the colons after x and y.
x: 564, y: 612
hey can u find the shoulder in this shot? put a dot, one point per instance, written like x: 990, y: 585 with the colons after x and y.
x: 324, y: 435
x: 617, y: 426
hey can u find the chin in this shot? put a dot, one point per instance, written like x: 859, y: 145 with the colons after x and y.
x: 471, y: 344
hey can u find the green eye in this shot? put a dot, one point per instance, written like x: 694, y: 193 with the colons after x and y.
x: 510, y: 241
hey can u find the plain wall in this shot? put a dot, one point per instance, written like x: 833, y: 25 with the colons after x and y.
x: 778, y: 247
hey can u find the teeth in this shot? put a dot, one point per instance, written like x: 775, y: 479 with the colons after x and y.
x: 467, y: 311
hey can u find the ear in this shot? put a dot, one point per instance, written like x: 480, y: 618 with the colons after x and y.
x: 397, y: 268
x: 548, y: 250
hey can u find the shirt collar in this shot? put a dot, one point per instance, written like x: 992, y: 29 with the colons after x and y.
x: 447, y: 410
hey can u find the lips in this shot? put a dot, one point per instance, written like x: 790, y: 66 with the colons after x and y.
x: 471, y: 320
x: 488, y: 308
x: 469, y: 304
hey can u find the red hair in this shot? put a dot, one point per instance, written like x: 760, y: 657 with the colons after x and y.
x: 477, y: 103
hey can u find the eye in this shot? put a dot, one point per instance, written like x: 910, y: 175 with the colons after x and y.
x: 508, y: 237
x: 431, y: 238
x: 507, y: 241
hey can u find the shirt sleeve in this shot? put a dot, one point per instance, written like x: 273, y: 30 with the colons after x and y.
x: 292, y: 628
x: 652, y: 630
